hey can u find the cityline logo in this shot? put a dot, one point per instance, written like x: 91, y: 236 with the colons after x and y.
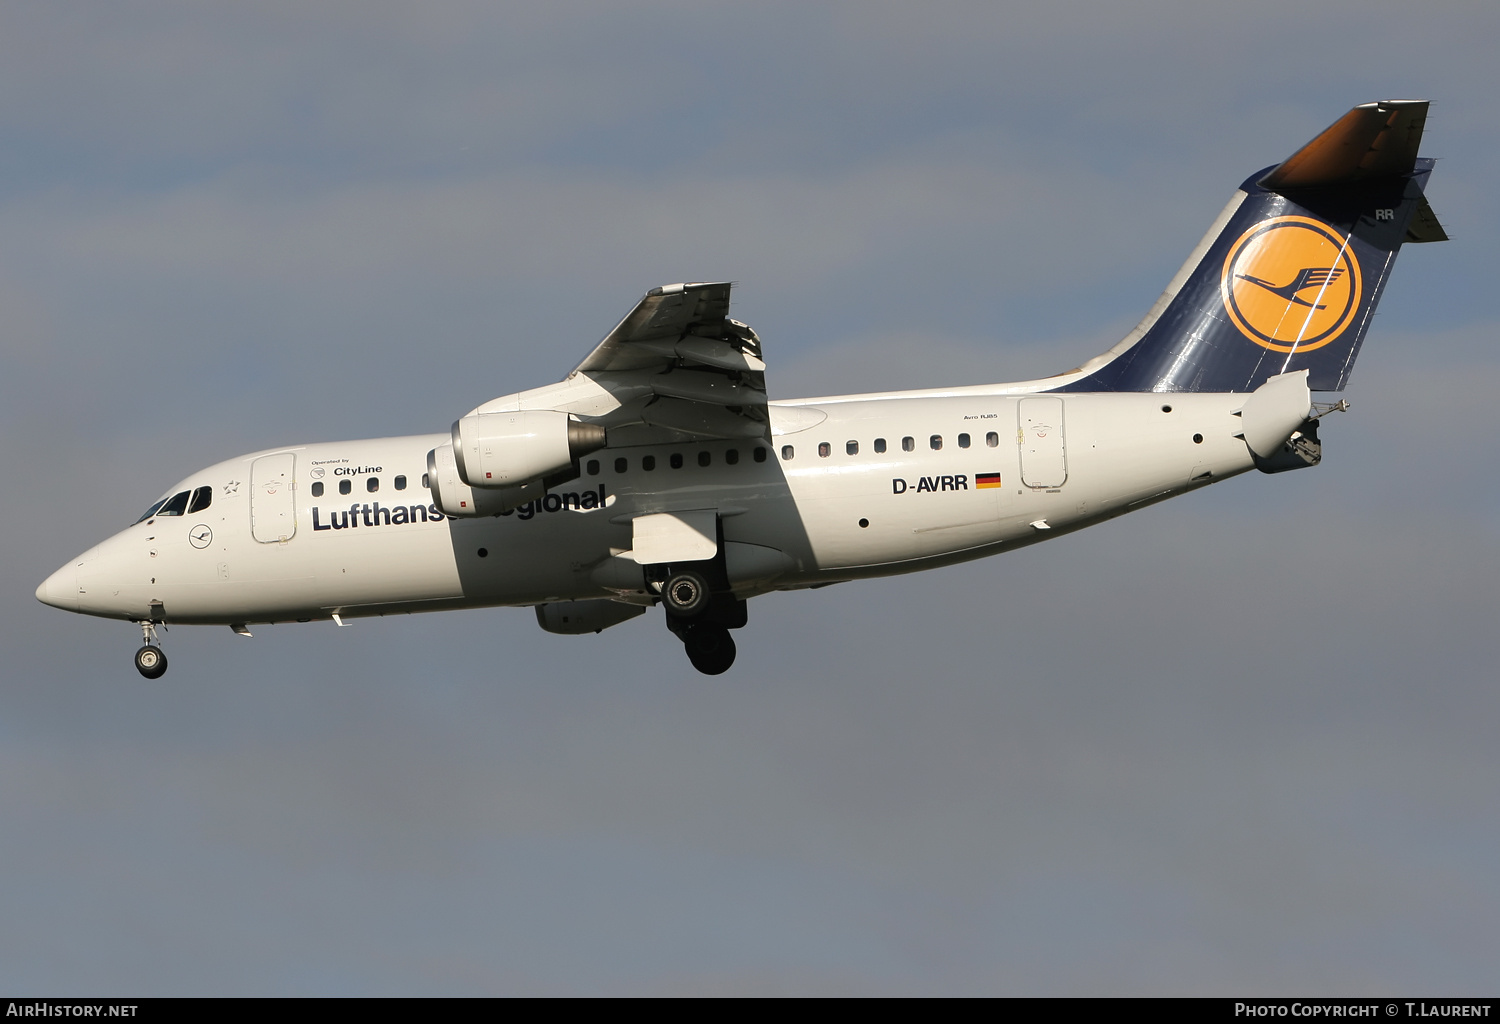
x: 1291, y: 284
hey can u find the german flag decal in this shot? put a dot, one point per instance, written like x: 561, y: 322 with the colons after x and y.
x: 982, y: 480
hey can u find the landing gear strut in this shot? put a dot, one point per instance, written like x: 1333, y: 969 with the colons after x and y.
x: 701, y: 609
x: 150, y: 660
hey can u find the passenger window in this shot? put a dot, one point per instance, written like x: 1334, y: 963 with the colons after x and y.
x: 992, y: 439
x: 317, y: 488
x: 176, y: 505
x: 400, y: 483
x: 704, y: 458
x: 676, y: 460
x: 824, y: 450
x: 760, y: 455
x: 648, y: 462
x: 963, y: 440
x: 732, y: 456
x: 621, y: 465
x: 851, y: 447
x: 880, y: 446
x: 937, y: 442
x: 593, y: 467
x: 372, y: 484
x: 345, y: 486
x: 427, y: 486
x: 202, y: 498
x: 787, y: 453
x: 908, y: 444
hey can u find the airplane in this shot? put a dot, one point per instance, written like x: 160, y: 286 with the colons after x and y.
x: 658, y: 472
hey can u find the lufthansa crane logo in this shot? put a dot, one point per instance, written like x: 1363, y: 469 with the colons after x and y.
x: 1291, y: 284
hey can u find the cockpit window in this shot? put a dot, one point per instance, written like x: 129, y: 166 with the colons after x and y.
x: 176, y: 505
x: 202, y: 498
x: 151, y: 511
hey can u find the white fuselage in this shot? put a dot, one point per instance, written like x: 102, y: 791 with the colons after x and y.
x: 1034, y: 466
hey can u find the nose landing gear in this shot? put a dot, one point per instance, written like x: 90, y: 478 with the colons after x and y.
x: 150, y: 660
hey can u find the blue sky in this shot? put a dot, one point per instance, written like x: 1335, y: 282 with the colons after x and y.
x: 1241, y: 742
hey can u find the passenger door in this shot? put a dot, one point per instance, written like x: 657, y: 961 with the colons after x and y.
x: 1040, y: 433
x: 273, y: 507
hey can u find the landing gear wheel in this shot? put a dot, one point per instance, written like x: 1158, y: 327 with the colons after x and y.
x: 685, y: 594
x: 150, y: 662
x: 710, y: 649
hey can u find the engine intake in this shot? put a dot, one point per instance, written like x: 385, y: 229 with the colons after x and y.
x: 506, y: 449
x: 456, y: 498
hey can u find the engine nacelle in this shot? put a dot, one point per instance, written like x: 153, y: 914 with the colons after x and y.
x: 456, y: 498
x: 504, y: 449
x: 592, y: 616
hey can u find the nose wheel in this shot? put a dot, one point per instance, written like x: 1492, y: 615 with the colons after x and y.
x: 150, y: 660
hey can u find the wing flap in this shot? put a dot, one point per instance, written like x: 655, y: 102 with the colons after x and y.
x: 706, y: 386
x: 701, y: 420
x: 704, y: 351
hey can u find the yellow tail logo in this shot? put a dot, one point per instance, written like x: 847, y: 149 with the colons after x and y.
x: 1322, y: 291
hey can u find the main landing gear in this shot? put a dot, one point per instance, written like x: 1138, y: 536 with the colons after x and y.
x: 150, y: 660
x: 710, y: 648
x: 701, y: 617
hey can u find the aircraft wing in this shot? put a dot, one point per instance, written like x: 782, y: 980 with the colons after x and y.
x: 678, y: 361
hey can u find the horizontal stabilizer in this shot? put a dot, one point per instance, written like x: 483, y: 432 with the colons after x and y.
x: 1374, y: 140
x: 1424, y: 226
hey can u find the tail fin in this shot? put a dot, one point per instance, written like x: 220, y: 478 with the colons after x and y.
x: 1288, y: 276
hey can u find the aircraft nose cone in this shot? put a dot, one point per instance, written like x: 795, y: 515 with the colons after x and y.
x: 60, y: 590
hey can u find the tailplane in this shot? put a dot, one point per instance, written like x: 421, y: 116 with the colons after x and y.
x: 1288, y: 276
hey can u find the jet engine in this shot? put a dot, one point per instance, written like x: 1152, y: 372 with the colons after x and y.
x: 501, y: 460
x: 504, y: 449
x: 456, y: 498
